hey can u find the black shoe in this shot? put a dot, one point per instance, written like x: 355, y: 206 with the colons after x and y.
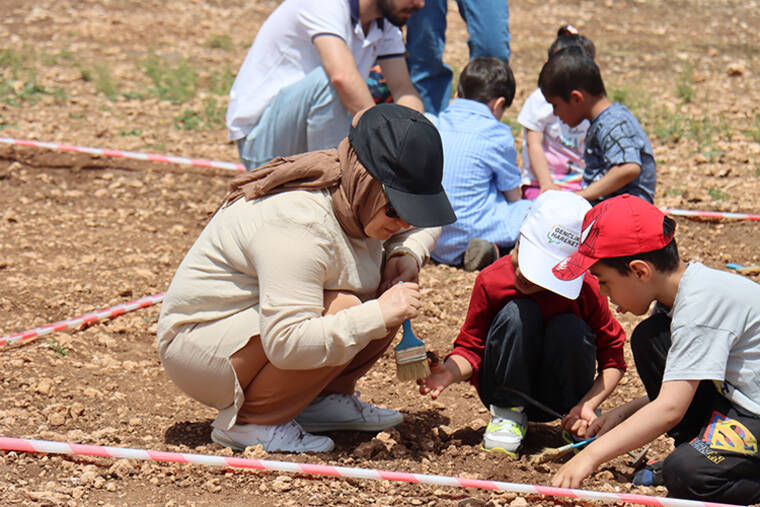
x: 479, y: 254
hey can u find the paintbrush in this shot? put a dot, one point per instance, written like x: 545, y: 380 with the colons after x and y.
x: 552, y: 454
x: 411, y: 358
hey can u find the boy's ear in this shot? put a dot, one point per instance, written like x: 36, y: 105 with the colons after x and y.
x: 576, y: 97
x: 641, y: 270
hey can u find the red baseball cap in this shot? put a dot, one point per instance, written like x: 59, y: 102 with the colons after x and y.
x: 616, y: 227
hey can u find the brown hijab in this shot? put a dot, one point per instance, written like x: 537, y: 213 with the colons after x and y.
x: 356, y: 195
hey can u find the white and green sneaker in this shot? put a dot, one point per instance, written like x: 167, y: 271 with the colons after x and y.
x: 505, y: 430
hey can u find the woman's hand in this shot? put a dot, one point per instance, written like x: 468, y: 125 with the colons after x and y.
x: 400, y: 302
x: 399, y: 268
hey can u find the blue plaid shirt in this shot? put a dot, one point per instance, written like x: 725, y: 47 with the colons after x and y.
x: 615, y: 137
x: 479, y: 163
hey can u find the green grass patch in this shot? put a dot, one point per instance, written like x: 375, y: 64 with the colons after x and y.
x: 633, y: 97
x: 220, y: 41
x: 155, y: 147
x: 717, y: 194
x: 221, y: 81
x: 57, y: 348
x: 130, y: 132
x: 105, y: 83
x: 754, y: 131
x: 685, y: 86
x: 211, y: 116
x: 176, y: 83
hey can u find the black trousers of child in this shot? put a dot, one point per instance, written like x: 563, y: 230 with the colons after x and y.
x: 716, y: 457
x: 553, y: 363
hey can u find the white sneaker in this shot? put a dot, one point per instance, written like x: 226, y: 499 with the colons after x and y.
x: 346, y: 412
x: 505, y: 430
x: 288, y: 437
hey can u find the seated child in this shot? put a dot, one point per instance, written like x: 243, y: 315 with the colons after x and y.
x: 618, y: 155
x: 480, y: 173
x: 700, y: 362
x: 528, y: 332
x: 552, y: 149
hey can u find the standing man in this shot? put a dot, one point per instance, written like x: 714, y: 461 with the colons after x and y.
x: 488, y: 26
x: 304, y: 76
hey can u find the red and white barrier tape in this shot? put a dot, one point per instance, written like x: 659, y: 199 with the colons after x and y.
x: 44, y: 446
x: 88, y: 318
x: 126, y: 154
x: 709, y: 214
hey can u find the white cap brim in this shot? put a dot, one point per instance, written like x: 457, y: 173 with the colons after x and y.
x: 536, y: 265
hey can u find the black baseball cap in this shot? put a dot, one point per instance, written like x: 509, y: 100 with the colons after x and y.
x: 401, y: 148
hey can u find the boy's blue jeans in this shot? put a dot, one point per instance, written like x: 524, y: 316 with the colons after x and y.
x: 488, y: 27
x: 716, y: 457
x: 305, y: 116
x: 554, y: 364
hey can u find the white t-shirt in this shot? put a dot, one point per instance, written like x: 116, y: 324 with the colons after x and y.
x: 715, y: 334
x: 562, y: 143
x: 283, y: 53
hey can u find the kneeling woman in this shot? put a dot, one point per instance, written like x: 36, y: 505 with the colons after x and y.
x: 274, y: 313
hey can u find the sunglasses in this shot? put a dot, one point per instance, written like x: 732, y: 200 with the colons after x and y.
x: 391, y: 212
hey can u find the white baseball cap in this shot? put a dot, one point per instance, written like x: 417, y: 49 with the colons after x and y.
x: 550, y: 232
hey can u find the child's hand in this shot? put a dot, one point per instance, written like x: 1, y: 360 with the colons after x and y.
x: 579, y: 419
x: 550, y: 186
x: 606, y: 422
x: 439, y: 379
x: 572, y: 473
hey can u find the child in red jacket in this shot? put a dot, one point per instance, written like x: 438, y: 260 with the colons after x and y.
x: 530, y: 332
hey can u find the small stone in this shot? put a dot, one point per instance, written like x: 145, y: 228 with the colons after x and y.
x: 255, y: 452
x: 282, y: 483
x: 736, y: 69
x: 212, y: 487
x: 604, y: 475
x: 56, y: 419
x: 445, y: 431
x: 44, y: 386
x: 518, y: 502
x: 77, y: 492
x: 88, y: 476
x: 122, y: 469
x: 76, y: 409
x: 470, y: 502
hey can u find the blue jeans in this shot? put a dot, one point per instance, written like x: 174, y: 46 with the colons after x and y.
x: 488, y: 26
x: 305, y: 116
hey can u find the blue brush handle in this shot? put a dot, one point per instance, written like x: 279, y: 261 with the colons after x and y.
x: 582, y: 443
x: 408, y: 340
x: 731, y: 265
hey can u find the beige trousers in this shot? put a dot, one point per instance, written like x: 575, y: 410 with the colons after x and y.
x: 275, y: 396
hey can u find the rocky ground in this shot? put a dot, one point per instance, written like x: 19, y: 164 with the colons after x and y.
x: 79, y: 233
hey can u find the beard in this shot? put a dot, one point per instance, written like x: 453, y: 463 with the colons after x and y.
x: 397, y: 17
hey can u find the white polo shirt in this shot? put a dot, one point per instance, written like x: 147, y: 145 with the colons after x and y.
x: 284, y: 53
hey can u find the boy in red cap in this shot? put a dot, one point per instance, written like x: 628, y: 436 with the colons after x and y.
x: 699, y: 361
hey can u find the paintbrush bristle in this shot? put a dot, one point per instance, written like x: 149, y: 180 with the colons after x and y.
x: 413, y: 370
